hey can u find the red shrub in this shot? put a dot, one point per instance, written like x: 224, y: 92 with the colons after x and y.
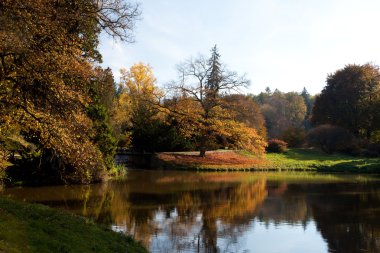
x: 277, y: 146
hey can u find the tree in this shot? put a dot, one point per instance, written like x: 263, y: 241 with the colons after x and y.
x: 283, y: 111
x: 351, y: 99
x: 308, y: 99
x: 102, y: 93
x: 245, y: 110
x: 199, y: 109
x: 137, y: 109
x: 309, y: 102
x: 47, y: 53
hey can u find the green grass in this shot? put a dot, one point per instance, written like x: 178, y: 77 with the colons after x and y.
x: 117, y: 171
x: 36, y: 228
x: 311, y: 159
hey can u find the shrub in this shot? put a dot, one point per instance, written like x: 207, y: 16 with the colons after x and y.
x: 294, y: 136
x: 330, y: 138
x: 277, y: 146
x: 373, y: 150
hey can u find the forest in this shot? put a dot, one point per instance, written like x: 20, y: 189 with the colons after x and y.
x: 62, y: 116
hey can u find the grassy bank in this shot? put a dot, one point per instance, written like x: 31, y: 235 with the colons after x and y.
x: 311, y: 159
x: 36, y: 228
x: 293, y: 159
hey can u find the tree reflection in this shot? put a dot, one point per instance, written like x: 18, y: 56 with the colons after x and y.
x: 286, y: 204
x: 193, y: 212
x: 200, y: 214
x: 183, y: 220
x: 348, y: 217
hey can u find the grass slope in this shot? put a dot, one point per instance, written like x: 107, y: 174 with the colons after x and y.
x: 293, y: 159
x: 36, y: 228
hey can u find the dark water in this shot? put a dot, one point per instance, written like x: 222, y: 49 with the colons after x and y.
x: 230, y: 212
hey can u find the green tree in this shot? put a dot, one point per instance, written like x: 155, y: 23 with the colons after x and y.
x: 309, y: 102
x: 351, y: 99
x: 102, y: 93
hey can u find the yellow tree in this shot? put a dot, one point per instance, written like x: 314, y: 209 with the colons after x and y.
x: 137, y: 110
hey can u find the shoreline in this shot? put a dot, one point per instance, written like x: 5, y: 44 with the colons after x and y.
x: 293, y: 160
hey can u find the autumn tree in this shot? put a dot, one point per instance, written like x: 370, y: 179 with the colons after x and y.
x: 47, y: 55
x: 199, y: 108
x: 351, y: 99
x: 138, y: 112
x: 244, y: 109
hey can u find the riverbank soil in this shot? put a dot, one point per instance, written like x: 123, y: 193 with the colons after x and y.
x: 222, y: 160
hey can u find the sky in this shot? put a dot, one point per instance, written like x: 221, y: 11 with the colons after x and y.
x: 283, y: 44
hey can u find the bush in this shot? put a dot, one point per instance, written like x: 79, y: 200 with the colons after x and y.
x: 373, y: 150
x: 330, y: 138
x: 294, y: 136
x: 277, y: 146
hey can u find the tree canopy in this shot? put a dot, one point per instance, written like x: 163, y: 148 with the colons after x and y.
x: 351, y: 99
x: 282, y: 111
x: 138, y: 112
x: 200, y: 105
x: 47, y: 54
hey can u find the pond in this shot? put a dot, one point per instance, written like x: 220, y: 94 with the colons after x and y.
x: 229, y: 212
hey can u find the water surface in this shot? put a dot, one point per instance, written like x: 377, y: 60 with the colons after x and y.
x: 229, y: 212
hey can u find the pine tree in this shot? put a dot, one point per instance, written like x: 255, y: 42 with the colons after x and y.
x: 215, y: 77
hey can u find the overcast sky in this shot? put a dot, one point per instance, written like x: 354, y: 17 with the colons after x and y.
x: 284, y: 44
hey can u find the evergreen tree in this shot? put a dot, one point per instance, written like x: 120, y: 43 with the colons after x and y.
x: 309, y: 101
x: 215, y: 76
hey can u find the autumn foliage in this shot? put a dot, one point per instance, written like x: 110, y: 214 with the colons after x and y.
x: 206, y: 112
x: 47, y: 52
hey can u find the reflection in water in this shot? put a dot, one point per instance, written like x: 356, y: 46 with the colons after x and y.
x: 210, y: 212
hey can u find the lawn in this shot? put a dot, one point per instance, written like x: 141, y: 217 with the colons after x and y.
x: 293, y: 159
x: 36, y: 228
x: 312, y: 159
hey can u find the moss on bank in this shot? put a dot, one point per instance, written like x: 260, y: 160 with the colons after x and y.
x: 36, y: 228
x: 293, y: 159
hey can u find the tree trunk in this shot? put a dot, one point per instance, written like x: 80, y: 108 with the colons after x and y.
x: 369, y: 133
x: 202, y: 152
